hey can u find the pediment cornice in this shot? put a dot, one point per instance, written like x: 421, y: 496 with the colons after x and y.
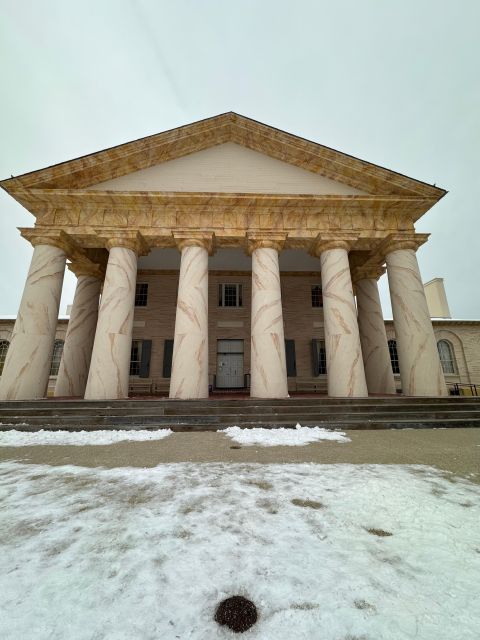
x: 229, y: 127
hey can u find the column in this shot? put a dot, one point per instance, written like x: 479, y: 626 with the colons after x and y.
x: 420, y: 369
x: 27, y: 367
x: 373, y: 337
x: 189, y: 379
x: 110, y: 364
x: 268, y: 367
x: 77, y: 351
x: 345, y: 371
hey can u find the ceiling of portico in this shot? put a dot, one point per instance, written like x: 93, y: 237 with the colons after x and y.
x: 228, y: 168
x: 230, y: 260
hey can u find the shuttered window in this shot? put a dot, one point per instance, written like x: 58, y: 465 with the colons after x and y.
x: 167, y: 358
x: 291, y: 359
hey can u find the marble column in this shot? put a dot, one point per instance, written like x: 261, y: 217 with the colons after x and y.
x: 77, y: 351
x: 345, y: 371
x: 373, y: 337
x: 420, y: 369
x: 268, y: 368
x: 27, y: 367
x: 189, y: 378
x: 110, y: 363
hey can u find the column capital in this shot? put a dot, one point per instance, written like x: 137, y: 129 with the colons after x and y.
x: 194, y: 239
x: 396, y: 241
x: 265, y: 241
x: 87, y: 269
x: 132, y: 240
x: 372, y: 272
x: 54, y: 238
x: 325, y: 241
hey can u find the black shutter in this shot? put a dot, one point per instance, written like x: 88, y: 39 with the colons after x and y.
x: 145, y: 359
x: 291, y: 360
x: 315, y: 360
x: 167, y: 358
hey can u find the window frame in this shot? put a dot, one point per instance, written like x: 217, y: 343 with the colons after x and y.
x: 141, y: 296
x: 54, y: 362
x: 222, y: 295
x: 451, y: 357
x: 394, y: 362
x: 135, y: 365
x: 3, y: 353
x: 316, y: 290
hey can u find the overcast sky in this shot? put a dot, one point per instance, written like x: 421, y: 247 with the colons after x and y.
x: 394, y: 82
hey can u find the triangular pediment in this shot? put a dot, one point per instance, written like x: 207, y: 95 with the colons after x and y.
x: 227, y: 168
x: 226, y: 153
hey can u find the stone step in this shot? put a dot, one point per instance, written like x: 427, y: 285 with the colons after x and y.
x: 425, y: 423
x: 272, y: 418
x: 192, y: 410
x: 241, y: 403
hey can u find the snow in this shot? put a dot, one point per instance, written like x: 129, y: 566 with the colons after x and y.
x: 145, y: 554
x: 283, y: 437
x: 15, y: 438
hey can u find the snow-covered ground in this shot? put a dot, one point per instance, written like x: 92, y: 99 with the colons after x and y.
x: 148, y: 553
x: 283, y: 437
x: 16, y: 438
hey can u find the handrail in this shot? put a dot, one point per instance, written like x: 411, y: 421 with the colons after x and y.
x: 456, y: 386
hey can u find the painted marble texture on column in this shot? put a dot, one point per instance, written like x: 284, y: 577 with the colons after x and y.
x: 190, y: 348
x: 268, y: 370
x: 420, y: 368
x: 27, y: 366
x: 373, y: 338
x: 77, y: 351
x: 110, y: 364
x: 345, y: 372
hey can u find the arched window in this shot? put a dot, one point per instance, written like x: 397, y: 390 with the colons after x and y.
x: 445, y: 351
x: 392, y: 347
x: 56, y: 357
x: 4, y: 344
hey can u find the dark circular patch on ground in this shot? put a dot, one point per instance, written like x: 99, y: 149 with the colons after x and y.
x: 237, y: 613
x: 235, y: 446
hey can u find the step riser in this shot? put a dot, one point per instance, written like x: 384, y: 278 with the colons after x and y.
x: 353, y: 426
x: 262, y: 410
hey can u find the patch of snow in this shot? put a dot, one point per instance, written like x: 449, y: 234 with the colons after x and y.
x: 149, y: 553
x: 15, y: 438
x: 283, y: 437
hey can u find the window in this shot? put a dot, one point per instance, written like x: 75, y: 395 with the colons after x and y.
x: 317, y: 297
x: 392, y: 347
x: 445, y: 351
x: 135, y: 357
x: 56, y: 357
x: 4, y: 344
x: 319, y: 357
x: 141, y: 294
x: 230, y: 295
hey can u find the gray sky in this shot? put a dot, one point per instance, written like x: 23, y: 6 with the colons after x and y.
x: 394, y: 82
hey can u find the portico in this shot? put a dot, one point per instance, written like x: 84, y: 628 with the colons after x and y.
x: 107, y: 212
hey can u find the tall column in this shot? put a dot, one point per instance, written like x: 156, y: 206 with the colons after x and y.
x: 27, y: 367
x: 373, y: 337
x: 420, y: 368
x: 190, y: 346
x: 345, y: 371
x: 268, y: 368
x: 77, y: 351
x: 110, y: 364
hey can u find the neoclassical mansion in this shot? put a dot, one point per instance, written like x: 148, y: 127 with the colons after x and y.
x: 227, y: 254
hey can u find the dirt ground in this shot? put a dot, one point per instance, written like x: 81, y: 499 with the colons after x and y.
x: 454, y: 450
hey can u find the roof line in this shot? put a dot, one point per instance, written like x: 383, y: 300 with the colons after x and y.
x: 225, y: 113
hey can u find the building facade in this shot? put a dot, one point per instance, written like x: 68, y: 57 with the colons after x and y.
x: 224, y: 254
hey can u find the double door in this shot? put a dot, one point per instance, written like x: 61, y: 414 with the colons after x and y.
x: 230, y: 364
